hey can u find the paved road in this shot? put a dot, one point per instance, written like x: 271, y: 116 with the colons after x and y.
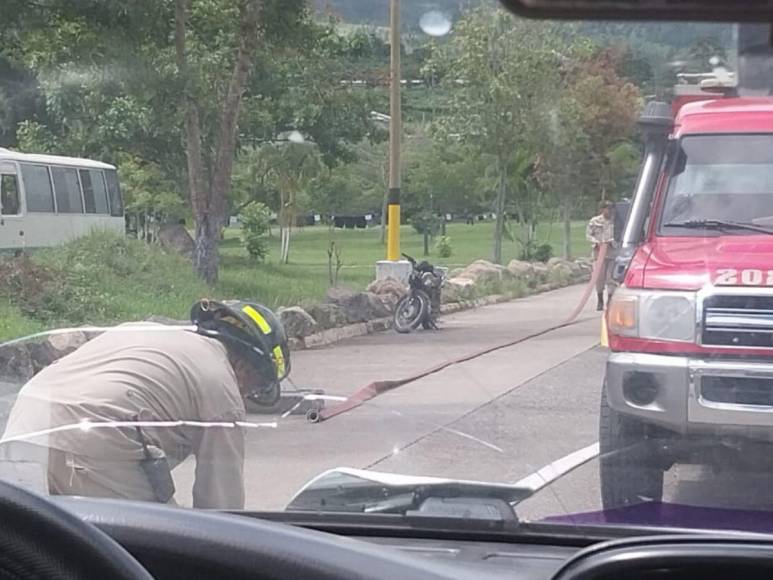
x: 500, y: 417
x: 489, y: 419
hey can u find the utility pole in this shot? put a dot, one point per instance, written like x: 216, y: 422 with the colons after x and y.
x: 394, y: 267
x: 395, y: 130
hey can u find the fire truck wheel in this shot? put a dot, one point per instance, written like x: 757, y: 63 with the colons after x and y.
x: 630, y: 470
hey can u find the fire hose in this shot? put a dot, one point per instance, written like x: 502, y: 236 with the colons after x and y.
x: 376, y: 388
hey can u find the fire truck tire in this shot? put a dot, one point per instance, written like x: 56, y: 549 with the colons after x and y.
x: 629, y: 470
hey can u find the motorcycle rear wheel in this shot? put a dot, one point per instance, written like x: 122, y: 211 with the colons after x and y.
x: 268, y: 402
x: 411, y: 311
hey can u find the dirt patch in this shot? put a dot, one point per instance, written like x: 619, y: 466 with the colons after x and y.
x: 27, y: 285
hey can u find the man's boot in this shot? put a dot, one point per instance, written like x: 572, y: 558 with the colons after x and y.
x: 600, y: 303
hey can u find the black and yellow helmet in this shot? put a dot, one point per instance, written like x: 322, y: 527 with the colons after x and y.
x: 251, y: 328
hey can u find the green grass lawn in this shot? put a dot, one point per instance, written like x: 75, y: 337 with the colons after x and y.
x: 306, y: 276
x: 105, y: 278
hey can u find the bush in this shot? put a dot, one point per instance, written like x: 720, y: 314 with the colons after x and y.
x: 532, y: 252
x: 100, y: 278
x: 444, y: 247
x: 255, y: 220
x: 543, y: 253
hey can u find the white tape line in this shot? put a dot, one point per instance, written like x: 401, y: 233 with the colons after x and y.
x: 552, y: 471
x: 324, y: 398
x: 290, y: 410
x: 87, y: 426
x: 136, y: 327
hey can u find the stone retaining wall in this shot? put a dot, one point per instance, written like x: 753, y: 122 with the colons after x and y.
x: 344, y: 313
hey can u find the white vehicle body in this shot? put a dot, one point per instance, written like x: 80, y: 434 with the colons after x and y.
x: 46, y: 200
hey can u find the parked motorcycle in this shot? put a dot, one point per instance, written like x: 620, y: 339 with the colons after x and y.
x: 421, y: 306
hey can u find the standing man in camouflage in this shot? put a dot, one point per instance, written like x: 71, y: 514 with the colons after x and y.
x: 601, y: 232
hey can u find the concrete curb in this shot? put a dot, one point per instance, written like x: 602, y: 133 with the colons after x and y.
x: 333, y: 335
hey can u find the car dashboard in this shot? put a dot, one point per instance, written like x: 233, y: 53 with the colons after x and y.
x: 181, y: 543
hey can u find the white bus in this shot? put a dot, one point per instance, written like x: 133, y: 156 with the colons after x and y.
x: 46, y: 200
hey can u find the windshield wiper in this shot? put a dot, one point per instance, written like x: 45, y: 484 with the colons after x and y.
x: 714, y: 224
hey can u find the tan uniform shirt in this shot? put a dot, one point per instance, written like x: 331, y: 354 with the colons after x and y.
x: 600, y: 230
x: 166, y: 375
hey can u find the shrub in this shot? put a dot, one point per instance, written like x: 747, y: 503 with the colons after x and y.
x: 543, y: 252
x: 444, y: 247
x: 255, y: 220
x: 100, y: 278
x: 532, y: 252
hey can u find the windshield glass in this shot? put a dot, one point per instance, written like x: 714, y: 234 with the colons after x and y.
x: 727, y: 177
x: 248, y: 242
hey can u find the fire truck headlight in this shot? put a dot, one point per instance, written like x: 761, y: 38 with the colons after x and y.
x: 656, y: 315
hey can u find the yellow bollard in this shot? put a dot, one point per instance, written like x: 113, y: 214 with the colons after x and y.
x: 604, y: 336
x: 393, y: 232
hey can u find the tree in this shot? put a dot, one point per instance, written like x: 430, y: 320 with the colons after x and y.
x: 504, y: 72
x: 596, y: 113
x: 19, y: 98
x: 293, y: 166
x: 255, y: 218
x: 623, y: 165
x: 567, y: 167
x: 208, y: 186
x: 444, y: 176
x: 253, y: 179
x: 149, y: 198
x: 344, y: 190
x: 98, y: 87
x: 530, y: 202
x: 185, y: 84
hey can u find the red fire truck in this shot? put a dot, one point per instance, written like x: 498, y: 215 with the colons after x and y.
x: 690, y: 373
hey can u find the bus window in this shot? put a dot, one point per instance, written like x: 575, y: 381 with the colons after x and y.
x: 116, y: 205
x: 37, y: 188
x: 88, y: 191
x: 94, y: 191
x: 9, y: 195
x: 67, y: 190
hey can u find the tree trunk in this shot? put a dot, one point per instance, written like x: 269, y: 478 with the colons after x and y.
x: 209, y: 202
x: 285, y: 244
x: 499, y: 226
x: 205, y: 258
x: 226, y: 140
x: 566, y: 216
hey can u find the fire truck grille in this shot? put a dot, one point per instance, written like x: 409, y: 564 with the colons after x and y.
x: 738, y: 320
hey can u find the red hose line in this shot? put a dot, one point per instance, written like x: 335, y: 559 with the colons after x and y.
x: 376, y: 388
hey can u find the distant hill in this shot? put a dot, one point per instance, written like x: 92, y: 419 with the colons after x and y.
x: 376, y: 12
x: 675, y: 35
